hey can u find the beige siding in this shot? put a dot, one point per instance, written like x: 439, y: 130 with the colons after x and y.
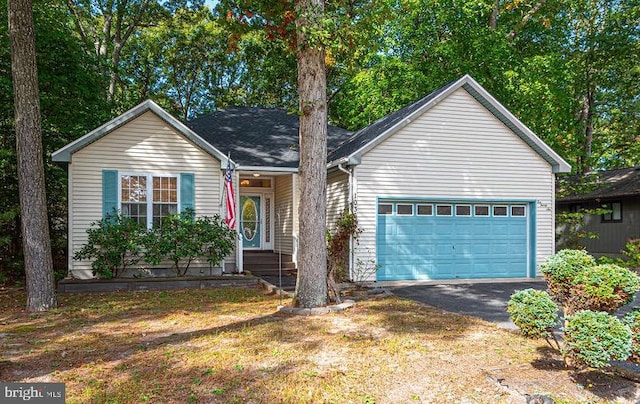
x: 457, y: 149
x: 147, y: 144
x: 337, y: 197
x: 284, y: 206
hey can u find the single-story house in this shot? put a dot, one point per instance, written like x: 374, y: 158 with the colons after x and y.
x: 451, y: 186
x: 617, y: 191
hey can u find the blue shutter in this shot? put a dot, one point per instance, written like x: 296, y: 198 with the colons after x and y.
x: 187, y: 191
x: 109, y: 192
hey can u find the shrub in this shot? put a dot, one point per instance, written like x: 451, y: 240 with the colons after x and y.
x: 533, y: 312
x: 561, y: 269
x: 182, y: 238
x: 632, y: 320
x: 114, y: 243
x: 632, y: 252
x: 593, y: 339
x: 603, y: 288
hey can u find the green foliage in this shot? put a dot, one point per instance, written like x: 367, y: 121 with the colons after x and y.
x: 561, y: 269
x: 594, y: 339
x: 338, y: 244
x: 534, y: 312
x: 632, y: 320
x: 113, y: 245
x: 571, y: 227
x: 604, y: 287
x: 182, y: 238
x: 632, y: 252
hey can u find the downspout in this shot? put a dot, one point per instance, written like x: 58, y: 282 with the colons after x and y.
x: 350, y: 204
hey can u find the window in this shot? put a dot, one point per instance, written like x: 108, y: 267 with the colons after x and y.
x: 444, y: 210
x: 404, y: 209
x: 500, y: 210
x: 148, y: 198
x: 425, y: 210
x: 385, y: 209
x: 517, y: 211
x: 463, y: 210
x: 255, y: 182
x: 615, y: 214
x: 481, y: 210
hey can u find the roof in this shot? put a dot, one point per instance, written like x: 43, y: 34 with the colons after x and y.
x: 624, y: 182
x: 65, y: 154
x: 258, y: 138
x: 365, y: 139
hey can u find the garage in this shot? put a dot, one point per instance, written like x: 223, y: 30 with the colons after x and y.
x: 452, y: 239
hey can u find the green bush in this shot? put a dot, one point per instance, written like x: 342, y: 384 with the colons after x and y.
x: 113, y: 245
x: 533, y: 312
x: 632, y: 320
x: 632, y: 251
x: 561, y: 269
x: 604, y: 287
x: 182, y: 238
x: 593, y: 339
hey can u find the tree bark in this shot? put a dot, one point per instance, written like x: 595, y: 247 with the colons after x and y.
x: 35, y: 229
x: 311, y: 289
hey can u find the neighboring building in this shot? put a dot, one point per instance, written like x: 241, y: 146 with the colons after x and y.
x: 451, y: 186
x: 615, y: 190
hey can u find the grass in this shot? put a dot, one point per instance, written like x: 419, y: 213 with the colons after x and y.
x: 231, y: 345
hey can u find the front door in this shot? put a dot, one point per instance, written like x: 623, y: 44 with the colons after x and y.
x: 250, y: 221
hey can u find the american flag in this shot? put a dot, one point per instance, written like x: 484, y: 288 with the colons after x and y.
x: 230, y: 219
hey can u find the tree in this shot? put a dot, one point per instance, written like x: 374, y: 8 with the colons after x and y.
x: 311, y: 288
x: 33, y: 202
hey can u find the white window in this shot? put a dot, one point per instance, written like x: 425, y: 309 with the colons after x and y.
x: 385, y: 209
x: 517, y: 210
x: 425, y: 210
x: 463, y: 210
x: 499, y: 210
x: 148, y: 198
x: 444, y: 210
x: 404, y: 209
x: 615, y: 214
x: 481, y: 210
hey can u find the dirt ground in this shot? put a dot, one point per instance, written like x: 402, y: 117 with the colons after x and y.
x: 232, y: 345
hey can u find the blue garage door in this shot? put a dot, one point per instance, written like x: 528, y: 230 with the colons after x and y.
x: 422, y: 240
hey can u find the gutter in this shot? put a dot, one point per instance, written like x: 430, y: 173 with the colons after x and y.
x: 350, y: 204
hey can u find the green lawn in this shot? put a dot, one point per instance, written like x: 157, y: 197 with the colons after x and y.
x: 231, y: 345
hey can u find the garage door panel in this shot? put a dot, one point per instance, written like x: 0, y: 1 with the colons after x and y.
x: 449, y: 247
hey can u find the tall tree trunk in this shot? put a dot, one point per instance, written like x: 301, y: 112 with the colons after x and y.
x: 493, y: 18
x: 587, y: 119
x: 35, y: 229
x: 311, y: 289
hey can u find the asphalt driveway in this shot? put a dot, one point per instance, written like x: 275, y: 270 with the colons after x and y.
x: 486, y: 300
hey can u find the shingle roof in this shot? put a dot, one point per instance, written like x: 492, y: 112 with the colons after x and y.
x: 610, y: 184
x: 258, y: 137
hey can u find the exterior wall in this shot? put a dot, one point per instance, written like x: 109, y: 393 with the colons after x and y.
x: 284, y: 228
x: 146, y: 144
x: 337, y: 197
x: 612, y: 236
x: 457, y: 149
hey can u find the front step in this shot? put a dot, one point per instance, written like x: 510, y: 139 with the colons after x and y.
x: 267, y: 263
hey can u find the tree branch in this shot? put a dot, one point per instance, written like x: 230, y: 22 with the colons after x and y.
x: 527, y: 17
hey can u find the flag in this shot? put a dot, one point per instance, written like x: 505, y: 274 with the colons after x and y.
x: 230, y: 219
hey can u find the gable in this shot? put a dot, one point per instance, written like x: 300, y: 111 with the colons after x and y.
x: 65, y: 153
x: 352, y: 150
x: 460, y: 140
x: 145, y: 143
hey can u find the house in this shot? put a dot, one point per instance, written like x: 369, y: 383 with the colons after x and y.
x: 451, y: 186
x: 617, y: 191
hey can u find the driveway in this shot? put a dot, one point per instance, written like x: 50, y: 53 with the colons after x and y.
x: 486, y: 300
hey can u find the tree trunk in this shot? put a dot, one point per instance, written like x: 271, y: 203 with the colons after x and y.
x: 493, y: 19
x: 311, y: 289
x: 35, y: 229
x: 587, y: 119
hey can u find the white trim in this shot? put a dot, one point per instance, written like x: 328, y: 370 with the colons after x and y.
x: 65, y: 153
x: 70, y: 220
x: 266, y: 169
x: 150, y: 200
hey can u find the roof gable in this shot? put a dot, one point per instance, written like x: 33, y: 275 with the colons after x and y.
x: 65, y: 154
x: 367, y: 138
